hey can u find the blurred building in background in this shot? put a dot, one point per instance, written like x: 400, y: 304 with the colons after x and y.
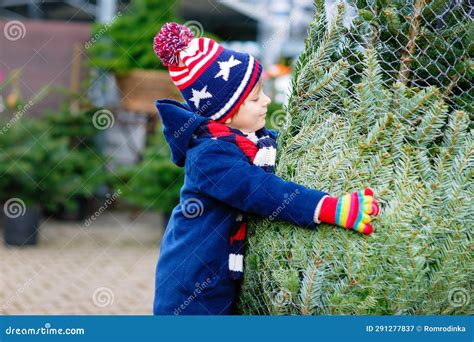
x: 273, y: 31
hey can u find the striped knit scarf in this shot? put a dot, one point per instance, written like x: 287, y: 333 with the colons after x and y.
x: 260, y: 150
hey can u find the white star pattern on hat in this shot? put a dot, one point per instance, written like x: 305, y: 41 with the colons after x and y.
x: 199, y: 95
x: 225, y: 67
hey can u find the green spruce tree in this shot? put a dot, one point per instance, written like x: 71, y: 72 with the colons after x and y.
x: 395, y: 140
x: 421, y: 43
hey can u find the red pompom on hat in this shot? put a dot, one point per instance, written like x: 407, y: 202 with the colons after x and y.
x: 213, y: 80
x: 171, y: 39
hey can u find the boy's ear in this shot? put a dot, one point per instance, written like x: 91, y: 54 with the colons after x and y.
x: 228, y: 121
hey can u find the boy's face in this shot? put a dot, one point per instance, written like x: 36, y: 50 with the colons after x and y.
x: 251, y: 114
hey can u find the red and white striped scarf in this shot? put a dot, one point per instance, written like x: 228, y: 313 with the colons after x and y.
x: 260, y: 149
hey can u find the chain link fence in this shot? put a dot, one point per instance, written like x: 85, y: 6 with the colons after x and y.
x: 420, y: 43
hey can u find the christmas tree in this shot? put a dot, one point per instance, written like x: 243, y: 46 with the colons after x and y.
x: 421, y: 43
x: 394, y: 139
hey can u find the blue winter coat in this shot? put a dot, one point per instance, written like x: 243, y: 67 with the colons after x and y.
x: 192, y: 270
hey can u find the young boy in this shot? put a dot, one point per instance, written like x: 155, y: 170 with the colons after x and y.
x: 219, y: 136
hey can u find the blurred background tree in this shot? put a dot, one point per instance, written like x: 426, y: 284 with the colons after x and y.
x: 155, y: 182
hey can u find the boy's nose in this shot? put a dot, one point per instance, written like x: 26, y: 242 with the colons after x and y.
x: 268, y: 100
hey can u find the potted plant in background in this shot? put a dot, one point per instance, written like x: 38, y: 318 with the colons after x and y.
x: 125, y: 47
x: 126, y: 50
x: 42, y: 170
x: 81, y: 171
x: 27, y: 158
x: 78, y: 176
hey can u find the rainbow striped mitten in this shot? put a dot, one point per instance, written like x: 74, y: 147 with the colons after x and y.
x: 351, y: 211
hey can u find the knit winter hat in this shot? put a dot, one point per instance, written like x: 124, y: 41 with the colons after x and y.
x: 213, y: 80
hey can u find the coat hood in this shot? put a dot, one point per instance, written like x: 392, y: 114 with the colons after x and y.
x: 179, y: 123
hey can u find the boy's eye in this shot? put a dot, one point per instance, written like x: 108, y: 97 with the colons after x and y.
x: 255, y: 100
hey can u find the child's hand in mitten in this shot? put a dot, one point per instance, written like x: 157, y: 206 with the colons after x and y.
x: 351, y: 211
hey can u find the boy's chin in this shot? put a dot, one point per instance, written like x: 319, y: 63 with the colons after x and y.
x: 254, y: 129
x: 261, y: 125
